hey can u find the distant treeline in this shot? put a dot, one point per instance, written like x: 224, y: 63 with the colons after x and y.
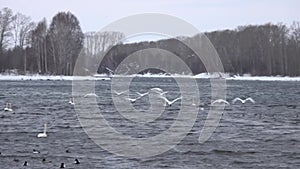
x: 256, y: 49
x: 28, y: 47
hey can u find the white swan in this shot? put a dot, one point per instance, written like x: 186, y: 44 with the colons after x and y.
x: 157, y: 90
x: 91, y: 95
x: 243, y: 101
x: 34, y: 151
x: 120, y: 93
x: 142, y: 94
x: 133, y: 100
x: 170, y: 102
x: 71, y: 101
x: 219, y: 101
x: 44, y: 134
x: 8, y: 107
x: 193, y: 103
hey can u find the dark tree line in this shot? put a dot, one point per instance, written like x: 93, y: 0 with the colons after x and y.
x: 259, y: 50
x: 256, y: 49
x: 28, y: 47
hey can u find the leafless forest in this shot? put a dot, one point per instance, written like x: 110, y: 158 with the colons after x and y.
x: 53, y: 47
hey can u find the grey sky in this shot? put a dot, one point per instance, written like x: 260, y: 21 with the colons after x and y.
x: 206, y: 15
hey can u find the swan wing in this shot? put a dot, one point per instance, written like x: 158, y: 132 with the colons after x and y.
x: 157, y: 90
x: 179, y: 98
x: 123, y: 92
x: 119, y: 93
x: 163, y: 93
x: 220, y: 101
x: 91, y: 94
x: 142, y: 94
x: 237, y: 99
x: 217, y: 101
x: 250, y: 99
x: 165, y: 99
x: 226, y: 102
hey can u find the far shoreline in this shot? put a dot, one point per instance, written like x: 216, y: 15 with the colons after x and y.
x: 103, y: 77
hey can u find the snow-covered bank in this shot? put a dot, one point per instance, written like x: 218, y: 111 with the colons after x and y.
x: 105, y: 77
x: 47, y: 77
x: 264, y: 78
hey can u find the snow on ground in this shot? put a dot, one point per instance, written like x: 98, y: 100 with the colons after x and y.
x: 264, y: 78
x: 148, y: 75
x: 42, y: 77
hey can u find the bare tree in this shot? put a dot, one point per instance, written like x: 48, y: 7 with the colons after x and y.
x: 39, y: 45
x: 22, y: 26
x: 6, y: 19
x: 66, y: 38
x: 96, y: 44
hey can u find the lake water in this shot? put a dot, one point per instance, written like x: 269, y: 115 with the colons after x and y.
x: 261, y: 135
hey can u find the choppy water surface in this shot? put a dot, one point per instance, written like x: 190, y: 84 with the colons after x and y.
x: 261, y: 135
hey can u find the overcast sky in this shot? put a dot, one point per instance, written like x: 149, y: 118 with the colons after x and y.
x: 206, y: 15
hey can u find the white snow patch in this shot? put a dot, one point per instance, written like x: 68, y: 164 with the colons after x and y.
x: 148, y: 75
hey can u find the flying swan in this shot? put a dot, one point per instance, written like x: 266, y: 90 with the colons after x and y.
x: 120, y: 93
x: 243, y: 101
x: 170, y: 102
x: 219, y: 101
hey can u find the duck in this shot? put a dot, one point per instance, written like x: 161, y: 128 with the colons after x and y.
x: 62, y: 165
x: 34, y: 151
x: 77, y: 161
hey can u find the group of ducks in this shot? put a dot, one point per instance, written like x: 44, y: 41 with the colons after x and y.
x: 243, y: 101
x: 62, y: 165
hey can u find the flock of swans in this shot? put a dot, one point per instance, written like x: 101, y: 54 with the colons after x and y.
x: 160, y: 93
x: 243, y: 101
x: 167, y: 102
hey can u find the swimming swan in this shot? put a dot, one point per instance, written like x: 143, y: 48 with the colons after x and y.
x: 71, y: 101
x: 8, y: 107
x: 44, y: 134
